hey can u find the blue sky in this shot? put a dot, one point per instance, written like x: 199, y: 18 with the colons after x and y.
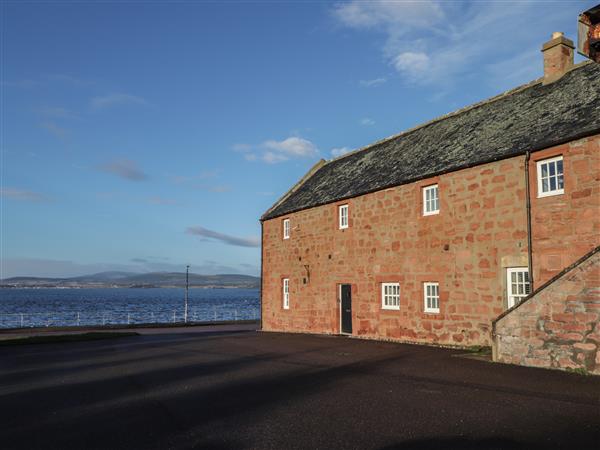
x: 142, y: 136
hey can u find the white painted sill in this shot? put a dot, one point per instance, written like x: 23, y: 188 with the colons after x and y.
x: 551, y: 193
x: 391, y: 308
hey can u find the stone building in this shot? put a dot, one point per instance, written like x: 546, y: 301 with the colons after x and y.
x: 438, y: 234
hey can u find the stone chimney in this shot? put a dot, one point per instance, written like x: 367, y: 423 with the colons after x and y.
x: 558, y: 57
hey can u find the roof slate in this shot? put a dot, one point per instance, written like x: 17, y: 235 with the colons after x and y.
x: 531, y: 117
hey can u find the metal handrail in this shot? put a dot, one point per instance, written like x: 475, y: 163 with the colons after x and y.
x: 124, y: 317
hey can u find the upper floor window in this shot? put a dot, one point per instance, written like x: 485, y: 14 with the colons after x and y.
x: 343, y: 216
x: 517, y: 285
x: 390, y: 295
x: 286, y: 228
x: 431, y: 293
x: 286, y: 293
x: 550, y: 177
x: 431, y: 200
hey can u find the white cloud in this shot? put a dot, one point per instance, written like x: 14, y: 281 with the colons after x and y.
x: 335, y: 152
x: 367, y: 121
x: 117, y: 99
x: 376, y: 13
x: 274, y: 158
x: 435, y: 43
x: 411, y: 63
x: 292, y: 146
x: 273, y: 152
x: 372, y: 83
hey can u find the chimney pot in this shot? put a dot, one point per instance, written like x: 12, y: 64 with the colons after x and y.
x: 558, y: 57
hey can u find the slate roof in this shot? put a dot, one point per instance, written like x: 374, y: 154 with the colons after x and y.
x: 531, y: 117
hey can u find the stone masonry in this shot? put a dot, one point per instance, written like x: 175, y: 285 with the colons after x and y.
x: 566, y: 227
x: 481, y: 230
x: 559, y: 326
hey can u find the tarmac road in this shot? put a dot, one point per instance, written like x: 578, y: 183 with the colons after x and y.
x: 275, y: 391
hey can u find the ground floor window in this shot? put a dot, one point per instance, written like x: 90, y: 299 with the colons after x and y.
x: 286, y: 293
x: 431, y: 292
x: 517, y: 285
x: 390, y: 295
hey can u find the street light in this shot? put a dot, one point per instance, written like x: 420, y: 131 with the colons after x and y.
x: 187, y: 286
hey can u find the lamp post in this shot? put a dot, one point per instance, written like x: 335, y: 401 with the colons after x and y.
x: 187, y: 284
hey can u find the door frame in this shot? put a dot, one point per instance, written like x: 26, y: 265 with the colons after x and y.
x: 340, y: 307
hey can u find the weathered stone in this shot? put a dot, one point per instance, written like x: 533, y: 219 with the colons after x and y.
x: 571, y: 340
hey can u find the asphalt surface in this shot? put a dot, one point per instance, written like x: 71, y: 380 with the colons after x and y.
x: 276, y: 391
x: 17, y: 333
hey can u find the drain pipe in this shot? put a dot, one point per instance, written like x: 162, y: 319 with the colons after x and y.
x: 262, y: 277
x: 528, y: 205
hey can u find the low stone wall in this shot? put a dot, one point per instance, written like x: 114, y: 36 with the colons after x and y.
x: 558, y: 326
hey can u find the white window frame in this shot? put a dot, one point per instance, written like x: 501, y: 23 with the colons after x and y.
x: 286, y: 293
x: 385, y: 304
x: 286, y: 228
x: 512, y: 298
x: 436, y: 201
x: 431, y: 291
x: 549, y: 192
x: 343, y: 218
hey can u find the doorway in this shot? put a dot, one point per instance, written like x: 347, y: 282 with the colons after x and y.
x: 346, y: 308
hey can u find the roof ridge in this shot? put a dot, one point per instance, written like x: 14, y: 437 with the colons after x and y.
x: 480, y: 133
x: 453, y: 113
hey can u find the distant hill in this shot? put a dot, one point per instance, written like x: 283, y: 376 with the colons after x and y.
x: 128, y: 279
x: 104, y: 276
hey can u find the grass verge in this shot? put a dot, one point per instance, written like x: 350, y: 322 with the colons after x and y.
x: 52, y: 339
x: 479, y: 350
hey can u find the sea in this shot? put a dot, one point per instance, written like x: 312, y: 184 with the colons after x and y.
x: 46, y: 307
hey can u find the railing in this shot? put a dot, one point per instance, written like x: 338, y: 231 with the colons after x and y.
x: 95, y: 318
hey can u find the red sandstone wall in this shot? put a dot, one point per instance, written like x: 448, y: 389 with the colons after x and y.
x: 481, y: 229
x: 559, y: 327
x: 567, y: 226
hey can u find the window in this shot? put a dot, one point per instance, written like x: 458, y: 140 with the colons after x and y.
x: 517, y: 285
x: 343, y: 216
x: 390, y: 295
x: 550, y: 177
x: 431, y: 291
x: 286, y: 293
x: 431, y: 200
x: 286, y: 228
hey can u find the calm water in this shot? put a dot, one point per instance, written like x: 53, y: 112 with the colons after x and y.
x: 54, y: 307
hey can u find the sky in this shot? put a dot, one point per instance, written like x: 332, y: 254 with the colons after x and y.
x: 147, y: 135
